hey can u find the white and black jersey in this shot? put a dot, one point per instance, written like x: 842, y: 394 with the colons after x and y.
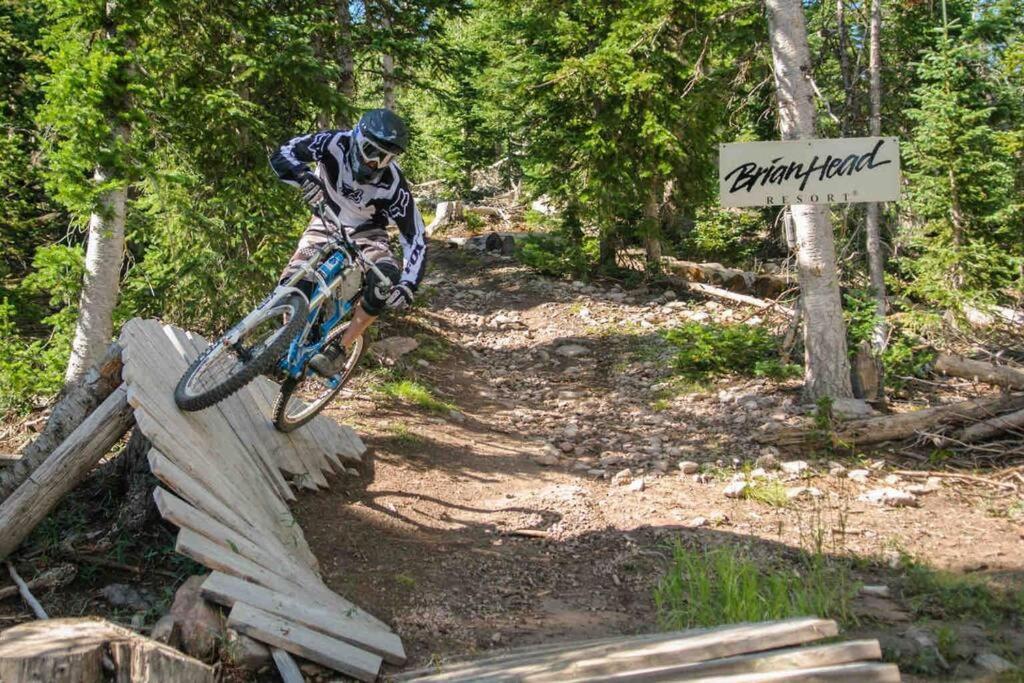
x: 362, y: 206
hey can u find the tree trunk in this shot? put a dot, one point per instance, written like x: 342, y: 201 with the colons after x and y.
x: 347, y: 81
x: 844, y: 68
x: 652, y: 228
x: 104, y: 257
x: 875, y: 253
x: 387, y: 65
x: 827, y: 367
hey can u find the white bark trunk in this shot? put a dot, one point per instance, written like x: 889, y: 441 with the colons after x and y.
x: 387, y: 65
x: 827, y: 367
x: 876, y: 256
x: 103, y: 259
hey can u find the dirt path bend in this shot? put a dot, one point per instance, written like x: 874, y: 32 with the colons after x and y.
x: 513, y: 520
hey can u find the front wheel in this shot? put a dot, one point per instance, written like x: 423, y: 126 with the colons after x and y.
x: 223, y: 369
x: 302, y: 399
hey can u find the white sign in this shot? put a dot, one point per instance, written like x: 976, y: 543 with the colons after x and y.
x: 834, y: 171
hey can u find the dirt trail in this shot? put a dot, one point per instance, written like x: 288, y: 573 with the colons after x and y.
x: 509, y: 521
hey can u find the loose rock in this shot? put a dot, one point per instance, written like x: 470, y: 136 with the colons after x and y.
x: 202, y: 627
x: 794, y: 466
x: 688, y: 467
x: 735, y: 489
x: 891, y: 497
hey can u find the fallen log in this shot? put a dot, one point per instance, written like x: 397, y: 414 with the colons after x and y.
x: 73, y: 651
x: 73, y: 405
x: 738, y: 298
x: 26, y: 594
x: 765, y: 285
x: 979, y: 371
x: 64, y: 469
x: 992, y: 427
x: 488, y: 211
x: 896, y: 427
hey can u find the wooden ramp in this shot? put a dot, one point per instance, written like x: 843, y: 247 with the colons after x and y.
x: 740, y: 653
x: 229, y: 476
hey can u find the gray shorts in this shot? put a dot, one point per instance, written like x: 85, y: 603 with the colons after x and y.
x: 373, y: 243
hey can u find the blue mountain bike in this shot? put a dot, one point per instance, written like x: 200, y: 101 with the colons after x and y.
x: 280, y: 336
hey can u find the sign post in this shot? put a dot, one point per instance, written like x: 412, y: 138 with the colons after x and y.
x: 818, y: 171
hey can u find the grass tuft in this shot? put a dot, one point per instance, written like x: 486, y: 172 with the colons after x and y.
x: 768, y: 492
x: 725, y: 585
x: 416, y: 393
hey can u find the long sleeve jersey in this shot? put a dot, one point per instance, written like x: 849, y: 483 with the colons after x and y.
x: 360, y: 206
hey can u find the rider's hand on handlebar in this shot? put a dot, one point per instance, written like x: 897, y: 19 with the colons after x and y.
x: 312, y: 189
x: 400, y: 297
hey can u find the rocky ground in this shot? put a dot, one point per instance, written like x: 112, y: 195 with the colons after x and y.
x: 543, y: 500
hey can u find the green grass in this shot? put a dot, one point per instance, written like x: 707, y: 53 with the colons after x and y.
x: 726, y: 585
x: 768, y: 492
x: 404, y: 436
x: 432, y: 348
x: 713, y: 350
x: 936, y: 594
x: 416, y: 393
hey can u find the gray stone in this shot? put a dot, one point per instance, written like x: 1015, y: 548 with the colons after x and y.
x: 880, y: 591
x: 637, y: 484
x: 202, y: 626
x: 851, y: 408
x: 794, y: 492
x: 794, y: 466
x: 717, y: 517
x: 546, y: 459
x: 126, y: 595
x: 688, y: 467
x: 165, y: 631
x: 572, y: 350
x: 891, y: 497
x: 859, y: 475
x: 393, y: 348
x: 246, y: 653
x: 993, y: 663
x: 767, y: 461
x: 735, y: 489
x: 621, y: 477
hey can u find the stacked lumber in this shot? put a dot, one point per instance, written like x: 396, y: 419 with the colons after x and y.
x: 731, y: 654
x: 229, y: 476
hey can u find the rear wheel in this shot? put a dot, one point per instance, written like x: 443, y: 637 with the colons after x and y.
x: 302, y: 399
x: 221, y: 370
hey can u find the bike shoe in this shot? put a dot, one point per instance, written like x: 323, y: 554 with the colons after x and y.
x: 330, y: 361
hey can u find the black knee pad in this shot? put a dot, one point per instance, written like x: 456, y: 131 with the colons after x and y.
x: 373, y: 304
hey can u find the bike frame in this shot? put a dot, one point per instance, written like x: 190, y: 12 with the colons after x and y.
x: 327, y: 268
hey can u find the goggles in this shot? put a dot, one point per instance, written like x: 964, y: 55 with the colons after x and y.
x: 372, y: 154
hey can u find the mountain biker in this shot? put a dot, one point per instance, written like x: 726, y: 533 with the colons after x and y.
x: 357, y: 177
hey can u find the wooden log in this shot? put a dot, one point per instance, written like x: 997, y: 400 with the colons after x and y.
x: 711, y: 290
x: 986, y: 429
x: 587, y: 661
x: 875, y: 430
x: 69, y: 463
x: 859, y: 672
x: 761, y: 662
x: 304, y: 642
x: 979, y: 371
x: 72, y: 651
x: 355, y: 629
x: 73, y: 405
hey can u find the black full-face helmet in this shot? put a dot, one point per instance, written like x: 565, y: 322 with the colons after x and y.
x: 377, y: 139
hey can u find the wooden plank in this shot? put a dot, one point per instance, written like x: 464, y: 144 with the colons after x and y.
x: 304, y: 642
x: 254, y: 494
x: 774, y: 660
x: 286, y: 666
x: 181, y: 514
x: 359, y: 628
x: 248, y: 432
x: 311, y: 456
x: 63, y: 469
x: 852, y: 673
x: 198, y: 495
x: 216, y: 557
x: 591, y: 661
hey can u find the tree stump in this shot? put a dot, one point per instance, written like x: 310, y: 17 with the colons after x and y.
x: 73, y: 651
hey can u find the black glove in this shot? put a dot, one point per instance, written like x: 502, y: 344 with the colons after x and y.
x: 400, y: 297
x: 313, y: 189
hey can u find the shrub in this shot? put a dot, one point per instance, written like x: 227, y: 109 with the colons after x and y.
x: 709, y: 350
